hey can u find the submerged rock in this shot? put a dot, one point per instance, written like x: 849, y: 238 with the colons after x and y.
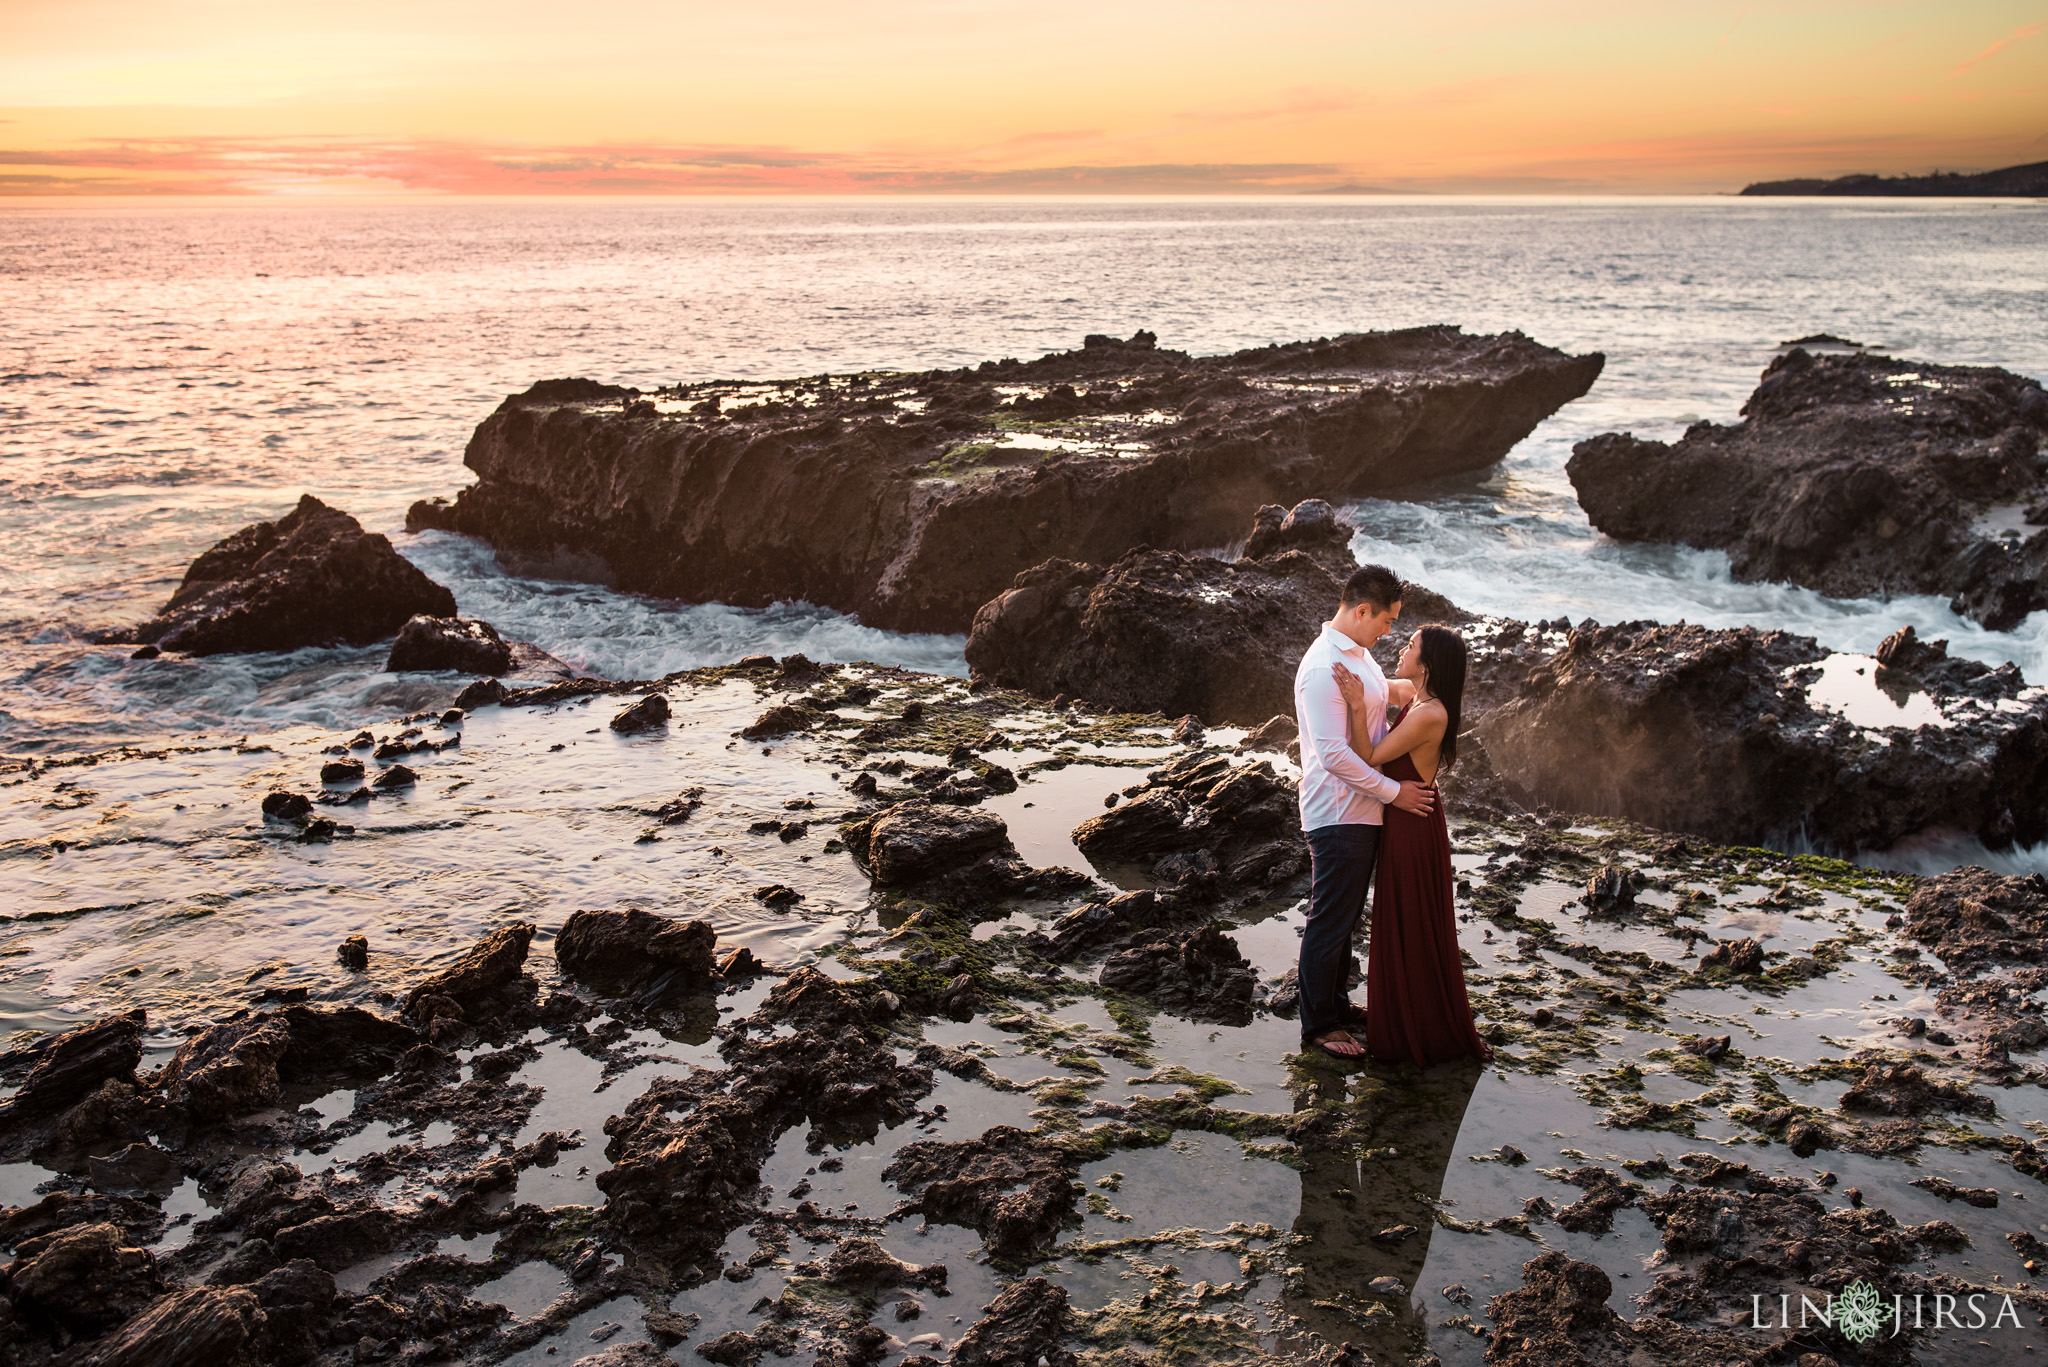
x: 314, y: 577
x: 465, y: 645
x: 1856, y: 475
x: 637, y: 950
x: 899, y: 498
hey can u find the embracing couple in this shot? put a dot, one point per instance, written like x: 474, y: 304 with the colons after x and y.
x: 1370, y: 753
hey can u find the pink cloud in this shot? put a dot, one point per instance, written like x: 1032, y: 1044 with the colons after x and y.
x: 2018, y: 35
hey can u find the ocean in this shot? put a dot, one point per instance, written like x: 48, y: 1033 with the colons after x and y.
x: 171, y: 372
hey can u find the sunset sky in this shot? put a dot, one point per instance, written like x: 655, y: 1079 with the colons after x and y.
x: 997, y: 96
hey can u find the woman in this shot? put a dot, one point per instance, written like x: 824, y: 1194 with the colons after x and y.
x: 1415, y: 1004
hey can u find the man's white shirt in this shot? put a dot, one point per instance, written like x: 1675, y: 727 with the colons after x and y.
x: 1337, y: 787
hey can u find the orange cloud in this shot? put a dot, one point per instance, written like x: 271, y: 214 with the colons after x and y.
x: 2018, y: 35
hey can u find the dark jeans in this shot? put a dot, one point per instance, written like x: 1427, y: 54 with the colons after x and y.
x: 1341, y: 861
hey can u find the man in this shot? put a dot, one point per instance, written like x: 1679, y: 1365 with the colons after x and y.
x: 1343, y: 800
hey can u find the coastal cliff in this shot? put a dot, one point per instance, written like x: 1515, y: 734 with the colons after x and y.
x: 912, y: 499
x: 2015, y: 181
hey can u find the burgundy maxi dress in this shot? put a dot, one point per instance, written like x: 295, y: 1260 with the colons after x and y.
x: 1415, y: 1004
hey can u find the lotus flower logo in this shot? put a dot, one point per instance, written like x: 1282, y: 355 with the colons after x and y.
x: 1859, y: 1312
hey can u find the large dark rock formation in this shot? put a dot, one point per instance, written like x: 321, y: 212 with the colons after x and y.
x: 1720, y: 733
x: 913, y: 499
x: 1855, y: 475
x: 314, y: 577
x: 1158, y: 631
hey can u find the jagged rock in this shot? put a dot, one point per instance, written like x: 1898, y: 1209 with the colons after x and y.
x: 83, y: 1276
x: 205, y: 1327
x: 1023, y: 1325
x: 1610, y: 889
x: 397, y: 776
x: 1976, y: 919
x: 1716, y: 733
x: 637, y: 950
x: 948, y: 852
x: 1856, y: 475
x: 779, y: 720
x: 863, y: 1264
x: 341, y: 771
x: 340, y: 1043
x: 354, y: 953
x: 1198, y: 973
x: 1744, y: 957
x: 1311, y: 527
x: 483, y: 970
x: 334, y: 1242
x: 630, y: 1355
x: 650, y: 712
x: 1275, y: 733
x: 228, y: 1070
x: 1014, y: 1189
x: 1097, y: 923
x: 481, y: 693
x: 135, y: 1167
x: 287, y: 806
x: 1560, y: 1315
x: 692, y: 1144
x: 1903, y: 1089
x: 733, y: 1348
x: 1244, y: 818
x: 66, y: 1069
x: 912, y: 519
x: 314, y: 577
x: 464, y: 645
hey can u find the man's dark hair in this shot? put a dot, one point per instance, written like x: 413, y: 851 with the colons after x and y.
x: 1374, y: 585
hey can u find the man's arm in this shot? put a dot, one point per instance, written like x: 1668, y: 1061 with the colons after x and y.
x: 1326, y: 720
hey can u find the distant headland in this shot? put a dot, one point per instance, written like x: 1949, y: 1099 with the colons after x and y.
x: 2031, y: 179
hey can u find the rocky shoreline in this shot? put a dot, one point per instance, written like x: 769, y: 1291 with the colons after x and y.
x: 1737, y: 735
x: 913, y: 1141
x: 912, y: 499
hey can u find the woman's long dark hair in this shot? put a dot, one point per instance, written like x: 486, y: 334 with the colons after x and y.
x: 1443, y: 655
